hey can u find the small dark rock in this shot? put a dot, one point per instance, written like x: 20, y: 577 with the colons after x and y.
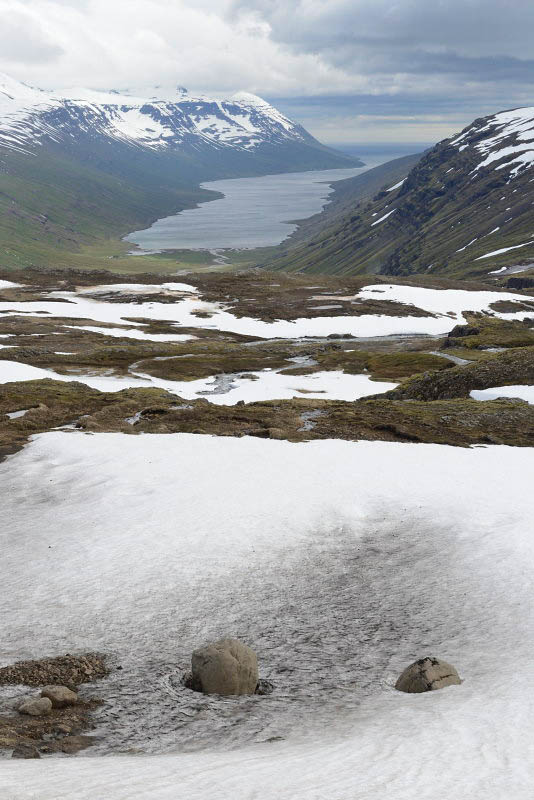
x: 25, y: 751
x: 264, y: 687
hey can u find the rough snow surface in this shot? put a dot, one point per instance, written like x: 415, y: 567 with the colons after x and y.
x: 339, y: 562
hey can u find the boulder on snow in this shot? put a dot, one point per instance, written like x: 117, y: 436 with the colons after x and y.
x: 226, y: 667
x: 60, y: 696
x: 36, y: 707
x: 427, y: 675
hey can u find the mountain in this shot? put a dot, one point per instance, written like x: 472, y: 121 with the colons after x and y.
x: 245, y: 124
x: 465, y: 209
x: 82, y: 165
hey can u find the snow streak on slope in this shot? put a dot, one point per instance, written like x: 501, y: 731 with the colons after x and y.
x: 337, y: 578
x: 506, y: 140
x: 30, y: 116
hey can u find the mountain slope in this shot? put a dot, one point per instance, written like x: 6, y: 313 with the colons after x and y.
x: 83, y: 166
x: 316, y: 245
x: 465, y: 209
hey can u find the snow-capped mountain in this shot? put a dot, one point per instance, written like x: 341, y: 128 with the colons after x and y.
x: 30, y: 117
x: 80, y: 166
x: 505, y: 141
x: 465, y: 209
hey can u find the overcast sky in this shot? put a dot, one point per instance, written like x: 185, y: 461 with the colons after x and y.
x: 351, y: 71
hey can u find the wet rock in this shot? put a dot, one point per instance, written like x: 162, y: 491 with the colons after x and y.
x: 36, y: 707
x: 60, y: 696
x: 73, y: 744
x: 427, y: 675
x: 226, y: 667
x: 264, y: 687
x: 25, y: 751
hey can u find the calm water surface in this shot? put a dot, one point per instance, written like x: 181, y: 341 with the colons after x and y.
x: 254, y: 212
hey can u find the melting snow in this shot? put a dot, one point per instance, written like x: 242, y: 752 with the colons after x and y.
x: 504, y: 250
x: 381, y: 219
x: 523, y: 392
x: 340, y: 562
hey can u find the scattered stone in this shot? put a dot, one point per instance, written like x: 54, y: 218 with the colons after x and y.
x: 427, y: 675
x: 36, y: 707
x: 68, y: 670
x: 264, y: 687
x: 60, y: 696
x: 226, y: 667
x: 25, y: 751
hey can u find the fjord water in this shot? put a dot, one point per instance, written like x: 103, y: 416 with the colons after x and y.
x: 254, y: 212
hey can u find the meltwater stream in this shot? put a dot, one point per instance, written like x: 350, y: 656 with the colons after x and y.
x: 254, y: 212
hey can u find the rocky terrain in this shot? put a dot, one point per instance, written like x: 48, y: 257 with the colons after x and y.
x: 132, y: 376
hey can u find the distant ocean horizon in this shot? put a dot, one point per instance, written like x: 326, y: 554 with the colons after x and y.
x: 387, y: 150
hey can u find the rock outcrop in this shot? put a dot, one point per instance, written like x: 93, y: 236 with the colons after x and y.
x: 226, y: 667
x: 427, y: 675
x: 36, y: 707
x: 60, y: 696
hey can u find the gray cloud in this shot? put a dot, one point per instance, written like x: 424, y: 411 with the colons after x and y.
x: 414, y: 70
x: 22, y: 40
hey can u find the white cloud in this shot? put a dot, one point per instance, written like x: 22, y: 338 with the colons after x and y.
x: 146, y: 42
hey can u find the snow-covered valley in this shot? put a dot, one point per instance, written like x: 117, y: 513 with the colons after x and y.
x: 337, y: 579
x: 184, y: 461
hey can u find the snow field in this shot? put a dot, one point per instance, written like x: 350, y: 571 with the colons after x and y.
x: 339, y: 562
x: 448, y: 303
x: 523, y: 392
x: 221, y: 389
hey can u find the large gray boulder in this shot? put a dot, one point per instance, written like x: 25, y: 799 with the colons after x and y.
x: 227, y: 667
x: 60, y: 696
x: 427, y: 675
x: 36, y: 707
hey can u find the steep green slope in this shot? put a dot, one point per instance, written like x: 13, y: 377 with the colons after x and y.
x: 321, y: 243
x: 52, y: 207
x: 465, y: 210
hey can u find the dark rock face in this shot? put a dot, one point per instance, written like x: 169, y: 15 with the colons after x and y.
x: 463, y: 330
x: 520, y: 283
x: 427, y: 675
x: 25, y: 751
